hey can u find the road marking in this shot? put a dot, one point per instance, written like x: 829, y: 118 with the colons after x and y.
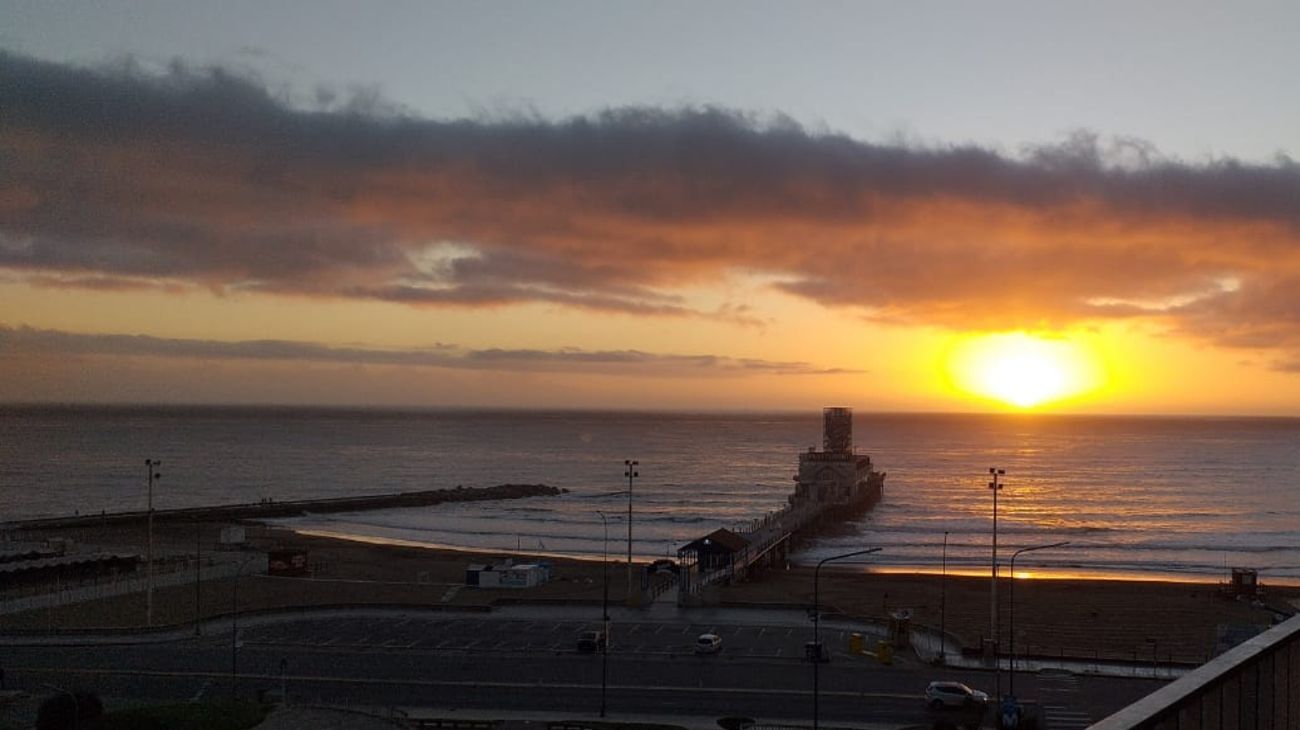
x: 461, y: 683
x: 198, y: 696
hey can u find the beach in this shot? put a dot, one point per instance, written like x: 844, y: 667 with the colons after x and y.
x: 1104, y: 620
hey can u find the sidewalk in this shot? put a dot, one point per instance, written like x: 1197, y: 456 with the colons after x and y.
x: 325, y: 718
x: 523, y: 718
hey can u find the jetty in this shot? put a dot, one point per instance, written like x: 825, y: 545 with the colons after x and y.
x: 833, y: 485
x: 295, y: 508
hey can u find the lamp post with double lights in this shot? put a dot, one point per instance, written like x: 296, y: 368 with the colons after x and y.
x: 1012, y: 689
x: 152, y: 465
x: 996, y: 486
x: 630, y: 473
x: 234, y: 626
x: 943, y: 603
x: 817, y: 610
x: 604, y: 609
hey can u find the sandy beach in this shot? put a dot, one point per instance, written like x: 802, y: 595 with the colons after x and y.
x: 1096, y: 619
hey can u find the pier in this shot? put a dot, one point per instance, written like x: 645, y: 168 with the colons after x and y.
x: 833, y: 485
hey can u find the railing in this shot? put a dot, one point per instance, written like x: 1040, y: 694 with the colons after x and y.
x: 169, y: 572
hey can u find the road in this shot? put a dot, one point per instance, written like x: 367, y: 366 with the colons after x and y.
x: 522, y: 660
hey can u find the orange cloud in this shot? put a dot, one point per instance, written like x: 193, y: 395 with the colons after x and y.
x: 200, y: 178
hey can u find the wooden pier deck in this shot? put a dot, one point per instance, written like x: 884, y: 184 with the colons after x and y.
x: 766, y: 542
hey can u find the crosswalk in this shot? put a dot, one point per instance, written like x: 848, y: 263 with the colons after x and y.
x: 1061, y: 717
x: 1058, y: 690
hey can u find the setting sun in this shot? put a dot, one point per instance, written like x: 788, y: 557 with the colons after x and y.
x: 1020, y: 369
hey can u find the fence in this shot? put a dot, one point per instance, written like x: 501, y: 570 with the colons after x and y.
x: 169, y: 572
x: 1255, y: 685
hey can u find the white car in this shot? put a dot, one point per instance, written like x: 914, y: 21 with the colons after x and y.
x: 708, y: 644
x: 953, y: 694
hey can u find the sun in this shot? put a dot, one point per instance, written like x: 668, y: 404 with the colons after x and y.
x: 1020, y: 369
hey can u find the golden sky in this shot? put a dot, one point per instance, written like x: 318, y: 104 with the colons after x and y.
x: 188, y: 236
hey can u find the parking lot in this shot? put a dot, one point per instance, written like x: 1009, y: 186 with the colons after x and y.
x: 462, y: 634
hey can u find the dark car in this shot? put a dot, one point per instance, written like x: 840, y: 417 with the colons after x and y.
x: 589, y: 642
x: 663, y: 565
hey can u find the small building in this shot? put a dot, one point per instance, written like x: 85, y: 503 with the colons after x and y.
x: 507, y: 575
x: 232, y: 537
x: 717, y: 551
x: 1245, y: 582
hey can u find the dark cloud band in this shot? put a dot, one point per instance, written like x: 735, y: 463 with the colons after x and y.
x: 26, y: 341
x: 202, y: 178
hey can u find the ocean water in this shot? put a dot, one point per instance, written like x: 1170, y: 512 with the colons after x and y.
x: 1134, y: 496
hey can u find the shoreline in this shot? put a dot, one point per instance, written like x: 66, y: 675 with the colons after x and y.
x: 1072, y: 574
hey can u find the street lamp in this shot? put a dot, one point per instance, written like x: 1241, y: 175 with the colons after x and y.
x: 630, y: 473
x: 234, y: 627
x: 152, y: 465
x: 604, y: 609
x: 943, y: 603
x: 996, y: 486
x: 817, y: 644
x: 1012, y: 689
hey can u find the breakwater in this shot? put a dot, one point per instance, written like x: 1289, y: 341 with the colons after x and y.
x: 293, y: 508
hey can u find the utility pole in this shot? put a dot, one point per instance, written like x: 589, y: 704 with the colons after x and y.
x: 604, y: 610
x: 631, y: 474
x: 198, y: 578
x: 943, y: 604
x: 996, y: 486
x: 151, y: 465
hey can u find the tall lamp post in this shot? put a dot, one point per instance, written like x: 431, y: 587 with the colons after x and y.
x: 630, y: 473
x: 943, y: 603
x: 234, y: 627
x: 1016, y: 554
x: 604, y: 609
x: 817, y: 611
x: 996, y: 486
x: 152, y: 465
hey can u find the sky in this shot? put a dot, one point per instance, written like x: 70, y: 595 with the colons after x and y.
x: 1083, y: 207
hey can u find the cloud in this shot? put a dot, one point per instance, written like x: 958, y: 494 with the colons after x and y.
x: 41, y: 343
x: 202, y: 178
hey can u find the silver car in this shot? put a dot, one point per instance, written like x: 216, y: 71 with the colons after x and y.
x: 939, y: 695
x: 708, y: 644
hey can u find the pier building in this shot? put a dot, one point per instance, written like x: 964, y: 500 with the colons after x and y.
x: 833, y: 484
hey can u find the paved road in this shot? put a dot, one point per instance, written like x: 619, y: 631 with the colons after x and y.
x: 508, y: 660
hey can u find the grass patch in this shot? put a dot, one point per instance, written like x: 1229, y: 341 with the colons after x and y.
x: 227, y: 715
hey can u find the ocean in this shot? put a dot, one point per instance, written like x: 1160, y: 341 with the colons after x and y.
x: 1135, y: 497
